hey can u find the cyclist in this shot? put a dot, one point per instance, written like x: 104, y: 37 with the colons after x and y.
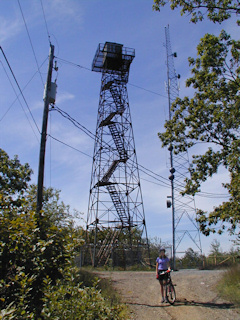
x: 162, y: 264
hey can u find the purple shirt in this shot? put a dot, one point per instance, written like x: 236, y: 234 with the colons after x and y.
x: 162, y: 263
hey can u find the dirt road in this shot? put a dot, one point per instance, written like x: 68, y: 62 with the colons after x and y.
x: 195, y: 290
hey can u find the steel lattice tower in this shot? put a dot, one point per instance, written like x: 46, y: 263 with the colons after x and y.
x: 184, y: 223
x: 115, y: 201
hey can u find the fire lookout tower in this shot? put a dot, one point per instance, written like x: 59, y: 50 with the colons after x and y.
x: 116, y: 216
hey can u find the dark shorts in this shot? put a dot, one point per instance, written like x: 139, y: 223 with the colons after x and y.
x: 162, y: 277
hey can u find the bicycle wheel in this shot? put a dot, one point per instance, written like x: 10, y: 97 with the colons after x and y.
x: 170, y: 293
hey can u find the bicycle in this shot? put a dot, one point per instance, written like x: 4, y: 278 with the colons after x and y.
x: 170, y: 292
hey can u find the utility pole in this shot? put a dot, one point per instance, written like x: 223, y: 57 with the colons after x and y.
x: 47, y: 101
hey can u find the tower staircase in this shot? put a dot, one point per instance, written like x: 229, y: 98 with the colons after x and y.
x: 119, y: 143
x: 105, y: 250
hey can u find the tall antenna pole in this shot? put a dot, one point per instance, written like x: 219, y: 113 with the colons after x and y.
x: 183, y: 208
x: 44, y: 131
x: 172, y: 170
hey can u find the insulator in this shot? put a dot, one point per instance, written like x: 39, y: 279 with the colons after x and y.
x: 172, y: 170
x: 170, y: 148
x: 171, y: 177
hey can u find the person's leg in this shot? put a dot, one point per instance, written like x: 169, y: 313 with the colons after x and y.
x: 162, y: 292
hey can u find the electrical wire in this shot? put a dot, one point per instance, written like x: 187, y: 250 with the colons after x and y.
x: 153, y: 92
x: 73, y: 64
x: 9, y: 108
x: 164, y: 182
x: 45, y: 20
x: 74, y: 122
x: 19, y: 88
x: 67, y: 145
x: 131, y: 84
x: 93, y: 136
x: 18, y: 101
x: 30, y: 40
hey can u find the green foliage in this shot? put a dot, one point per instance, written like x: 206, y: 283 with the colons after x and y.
x: 191, y: 259
x: 215, y: 248
x: 76, y: 302
x: 37, y: 280
x: 214, y: 10
x: 27, y: 259
x: 14, y: 179
x: 211, y: 117
x: 229, y: 285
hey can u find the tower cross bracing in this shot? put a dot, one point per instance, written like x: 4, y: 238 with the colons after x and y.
x: 115, y: 201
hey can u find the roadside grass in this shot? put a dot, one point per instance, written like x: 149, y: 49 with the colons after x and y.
x: 229, y: 285
x: 136, y: 267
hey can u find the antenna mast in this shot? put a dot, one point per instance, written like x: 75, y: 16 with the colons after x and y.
x: 184, y: 224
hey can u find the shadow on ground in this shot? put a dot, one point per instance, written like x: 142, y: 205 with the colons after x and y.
x: 185, y: 302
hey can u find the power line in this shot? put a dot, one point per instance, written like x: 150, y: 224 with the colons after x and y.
x: 74, y: 122
x: 153, y: 92
x: 30, y: 40
x: 73, y: 64
x: 164, y: 182
x: 67, y: 145
x: 17, y: 95
x: 93, y: 136
x: 44, y: 16
x: 19, y: 87
x: 18, y: 101
x: 165, y: 185
x: 131, y: 84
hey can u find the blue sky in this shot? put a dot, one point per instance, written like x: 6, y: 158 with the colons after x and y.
x: 75, y: 29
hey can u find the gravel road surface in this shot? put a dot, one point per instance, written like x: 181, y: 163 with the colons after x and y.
x: 197, y: 298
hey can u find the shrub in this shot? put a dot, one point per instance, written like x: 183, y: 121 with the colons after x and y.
x: 229, y: 285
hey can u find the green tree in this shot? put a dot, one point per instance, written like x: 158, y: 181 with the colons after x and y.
x: 211, y: 118
x: 28, y: 260
x: 191, y: 259
x: 214, y: 10
x: 14, y: 179
x: 215, y: 248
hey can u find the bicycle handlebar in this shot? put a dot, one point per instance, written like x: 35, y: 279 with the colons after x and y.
x: 164, y: 272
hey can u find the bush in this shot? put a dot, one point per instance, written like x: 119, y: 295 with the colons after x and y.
x: 68, y: 299
x: 229, y: 285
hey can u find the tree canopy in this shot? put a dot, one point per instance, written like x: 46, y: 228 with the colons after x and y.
x: 214, y: 10
x: 211, y: 119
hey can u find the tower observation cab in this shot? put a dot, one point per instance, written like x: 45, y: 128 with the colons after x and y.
x: 113, y: 58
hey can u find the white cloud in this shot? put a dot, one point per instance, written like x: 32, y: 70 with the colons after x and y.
x: 64, y: 11
x: 63, y: 97
x: 9, y: 28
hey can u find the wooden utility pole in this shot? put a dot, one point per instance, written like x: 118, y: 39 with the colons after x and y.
x: 46, y: 99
